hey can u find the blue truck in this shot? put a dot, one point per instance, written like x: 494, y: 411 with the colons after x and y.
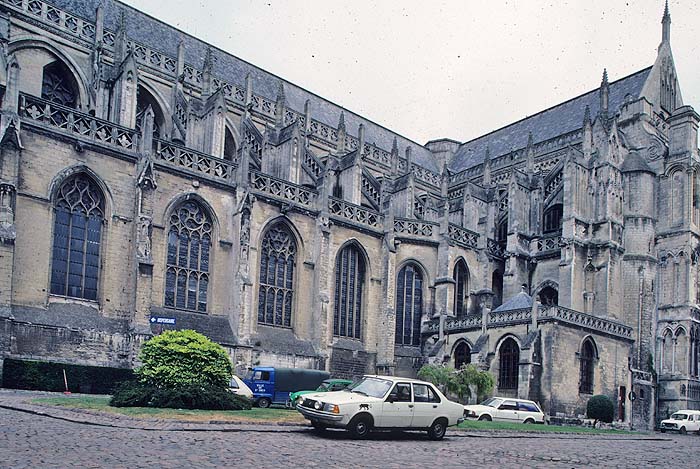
x: 272, y: 385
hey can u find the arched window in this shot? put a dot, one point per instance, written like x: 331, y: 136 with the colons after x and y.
x: 189, y: 243
x: 79, y: 215
x: 409, y: 305
x: 681, y: 352
x: 508, y: 365
x: 463, y: 355
x: 667, y: 352
x: 552, y: 219
x: 587, y: 356
x: 349, y: 283
x: 58, y: 85
x: 549, y: 296
x: 502, y: 232
x: 497, y: 288
x: 229, y: 146
x: 275, y: 297
x: 461, y: 278
x: 144, y: 99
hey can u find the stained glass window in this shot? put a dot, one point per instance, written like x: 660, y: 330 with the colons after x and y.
x: 508, y: 369
x: 461, y: 278
x: 79, y: 215
x: 409, y: 305
x: 586, y: 378
x: 58, y: 85
x: 275, y: 296
x: 189, y: 244
x: 349, y: 283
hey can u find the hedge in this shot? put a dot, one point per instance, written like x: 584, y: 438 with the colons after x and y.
x: 48, y: 376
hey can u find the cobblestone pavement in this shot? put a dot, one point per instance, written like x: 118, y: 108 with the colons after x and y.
x: 36, y: 441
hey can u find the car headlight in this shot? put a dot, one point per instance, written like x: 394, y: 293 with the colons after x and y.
x: 332, y: 408
x: 318, y: 405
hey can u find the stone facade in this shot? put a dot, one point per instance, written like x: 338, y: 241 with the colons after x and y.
x: 144, y: 174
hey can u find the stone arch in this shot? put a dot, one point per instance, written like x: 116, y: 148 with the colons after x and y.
x: 462, y: 277
x: 147, y: 96
x: 35, y: 42
x: 362, y: 249
x: 278, y: 277
x: 545, y: 286
x: 177, y: 200
x: 461, y: 353
x: 70, y: 171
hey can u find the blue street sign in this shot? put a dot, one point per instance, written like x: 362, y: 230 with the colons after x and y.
x: 161, y: 320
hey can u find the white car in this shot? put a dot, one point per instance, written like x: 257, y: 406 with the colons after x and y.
x: 683, y: 421
x: 383, y: 402
x: 237, y: 386
x: 506, y: 410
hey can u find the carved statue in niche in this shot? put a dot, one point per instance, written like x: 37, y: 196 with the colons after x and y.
x: 7, y: 214
x: 143, y: 238
x: 245, y: 233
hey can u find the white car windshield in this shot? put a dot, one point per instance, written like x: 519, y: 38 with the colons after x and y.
x: 373, y: 387
x: 492, y: 402
x: 679, y: 417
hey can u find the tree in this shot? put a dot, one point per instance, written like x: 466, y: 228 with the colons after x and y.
x: 600, y: 407
x: 459, y: 382
x: 183, y: 358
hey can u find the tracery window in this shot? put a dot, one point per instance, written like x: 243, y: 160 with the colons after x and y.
x: 79, y: 215
x: 463, y: 355
x: 275, y: 296
x: 58, y: 85
x: 461, y: 277
x: 189, y: 245
x: 549, y: 296
x: 144, y: 99
x: 587, y: 358
x: 349, y: 283
x: 552, y: 219
x: 409, y: 305
x: 509, y: 355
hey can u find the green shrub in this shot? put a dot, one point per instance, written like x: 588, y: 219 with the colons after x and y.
x: 48, y: 376
x: 600, y: 407
x: 458, y: 382
x: 184, y: 358
x: 136, y: 394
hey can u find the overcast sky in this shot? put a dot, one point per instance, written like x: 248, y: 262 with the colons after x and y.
x: 455, y: 69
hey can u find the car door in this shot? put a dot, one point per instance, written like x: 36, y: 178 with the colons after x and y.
x: 397, y: 408
x: 426, y: 404
x: 507, y: 411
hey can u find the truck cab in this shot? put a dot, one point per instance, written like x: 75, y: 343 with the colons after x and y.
x: 271, y: 385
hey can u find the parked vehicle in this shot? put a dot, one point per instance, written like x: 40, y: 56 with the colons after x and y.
x: 683, y: 421
x: 506, y: 410
x: 237, y: 386
x: 383, y: 402
x: 328, y: 385
x: 273, y: 385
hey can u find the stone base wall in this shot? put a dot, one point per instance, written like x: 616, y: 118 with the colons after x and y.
x: 351, y: 364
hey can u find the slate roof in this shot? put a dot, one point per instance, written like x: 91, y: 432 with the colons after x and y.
x: 634, y: 162
x: 560, y: 119
x: 520, y: 301
x: 164, y: 38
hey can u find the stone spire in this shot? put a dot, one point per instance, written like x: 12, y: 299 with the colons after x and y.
x: 341, y: 133
x: 487, y: 168
x: 666, y: 26
x: 530, y: 154
x: 394, y: 159
x: 409, y: 159
x: 604, y: 94
x: 280, y: 106
x: 207, y: 69
x: 361, y: 141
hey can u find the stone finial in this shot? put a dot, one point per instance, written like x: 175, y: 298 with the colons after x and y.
x: 341, y: 133
x: 99, y: 22
x: 604, y: 93
x: 121, y: 40
x: 487, y: 167
x: 361, y: 140
x: 248, y: 94
x: 530, y: 154
x: 180, y: 61
x: 394, y: 159
x: 207, y: 78
x: 587, y: 116
x: 307, y: 116
x: 409, y: 159
x: 280, y: 105
x: 666, y: 26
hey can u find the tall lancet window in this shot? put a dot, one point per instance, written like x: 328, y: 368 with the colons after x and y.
x: 349, y: 285
x: 276, y: 292
x: 189, y: 245
x: 409, y: 305
x: 79, y: 215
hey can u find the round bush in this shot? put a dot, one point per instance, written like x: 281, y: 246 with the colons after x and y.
x: 183, y: 358
x: 600, y: 407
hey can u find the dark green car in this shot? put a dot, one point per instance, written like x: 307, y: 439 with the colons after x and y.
x: 326, y: 386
